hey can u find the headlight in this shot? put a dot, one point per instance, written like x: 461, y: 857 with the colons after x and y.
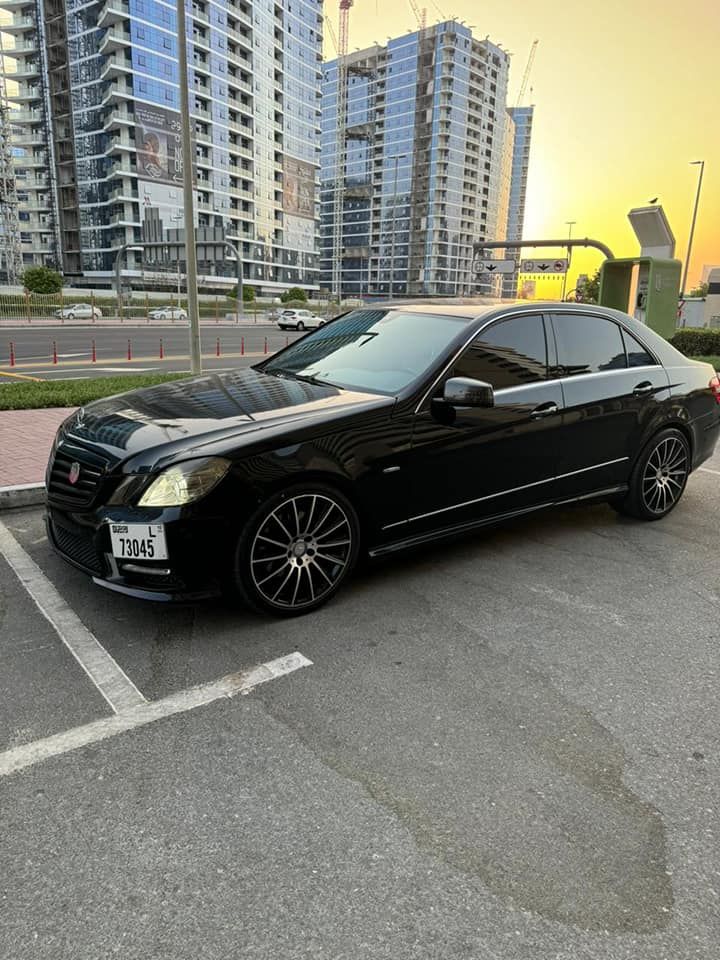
x: 185, y: 482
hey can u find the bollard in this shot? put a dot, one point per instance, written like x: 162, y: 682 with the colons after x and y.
x: 242, y: 346
x: 162, y: 354
x: 94, y: 353
x: 265, y: 347
x: 217, y: 347
x: 287, y: 340
x: 12, y: 354
x: 55, y: 360
x: 129, y: 354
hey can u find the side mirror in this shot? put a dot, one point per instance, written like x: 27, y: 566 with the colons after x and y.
x: 464, y: 392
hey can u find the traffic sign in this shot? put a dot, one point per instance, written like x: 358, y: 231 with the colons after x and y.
x: 544, y: 266
x: 494, y: 266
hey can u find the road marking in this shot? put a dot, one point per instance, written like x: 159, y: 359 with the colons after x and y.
x: 139, y: 716
x: 708, y: 470
x: 107, y: 675
x: 18, y: 376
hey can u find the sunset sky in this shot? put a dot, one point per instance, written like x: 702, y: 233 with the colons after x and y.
x: 626, y: 92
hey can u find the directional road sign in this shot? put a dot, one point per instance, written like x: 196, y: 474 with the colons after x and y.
x: 494, y: 266
x: 544, y: 266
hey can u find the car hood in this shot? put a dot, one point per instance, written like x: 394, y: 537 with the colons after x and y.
x: 184, y: 415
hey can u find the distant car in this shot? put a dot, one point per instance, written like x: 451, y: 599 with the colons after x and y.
x: 79, y: 311
x: 299, y: 320
x: 168, y: 313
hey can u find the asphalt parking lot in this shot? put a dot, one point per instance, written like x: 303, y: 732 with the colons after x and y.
x: 501, y: 748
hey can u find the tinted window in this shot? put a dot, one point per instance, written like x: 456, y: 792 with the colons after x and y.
x: 637, y: 355
x: 381, y: 350
x: 507, y: 354
x: 588, y: 344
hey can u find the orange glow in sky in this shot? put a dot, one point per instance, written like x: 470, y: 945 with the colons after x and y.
x: 626, y: 92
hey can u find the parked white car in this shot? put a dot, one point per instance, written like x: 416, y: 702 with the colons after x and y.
x: 79, y: 311
x: 299, y: 320
x: 168, y: 313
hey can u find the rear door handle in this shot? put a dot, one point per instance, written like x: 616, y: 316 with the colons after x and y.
x: 544, y: 410
x: 643, y: 388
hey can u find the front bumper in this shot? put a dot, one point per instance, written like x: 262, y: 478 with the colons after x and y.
x: 199, y: 551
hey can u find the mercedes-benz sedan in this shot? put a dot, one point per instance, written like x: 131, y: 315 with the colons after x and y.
x: 388, y: 427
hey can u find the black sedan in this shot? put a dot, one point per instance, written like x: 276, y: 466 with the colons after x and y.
x: 388, y: 427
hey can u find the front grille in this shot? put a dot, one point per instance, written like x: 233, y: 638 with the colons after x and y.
x: 78, y: 547
x: 92, y: 468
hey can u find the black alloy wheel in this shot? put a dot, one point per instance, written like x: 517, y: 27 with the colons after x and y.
x: 659, y: 477
x: 297, y: 549
x: 300, y: 325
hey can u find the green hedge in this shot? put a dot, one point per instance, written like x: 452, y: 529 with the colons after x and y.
x: 697, y: 342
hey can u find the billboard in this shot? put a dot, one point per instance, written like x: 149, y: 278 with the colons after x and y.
x: 158, y: 138
x: 299, y: 188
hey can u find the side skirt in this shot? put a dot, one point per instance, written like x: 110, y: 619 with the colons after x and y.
x: 445, y: 533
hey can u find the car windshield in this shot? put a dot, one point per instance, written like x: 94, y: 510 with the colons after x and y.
x: 382, y: 351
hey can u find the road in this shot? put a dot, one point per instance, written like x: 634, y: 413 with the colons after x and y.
x: 502, y: 748
x: 33, y: 348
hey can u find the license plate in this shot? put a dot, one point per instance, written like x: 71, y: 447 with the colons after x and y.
x: 138, y: 541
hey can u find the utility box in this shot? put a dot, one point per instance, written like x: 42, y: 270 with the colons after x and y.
x: 651, y: 284
x: 648, y: 286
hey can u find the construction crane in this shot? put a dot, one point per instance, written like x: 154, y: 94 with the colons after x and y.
x: 526, y: 75
x: 331, y: 31
x: 420, y: 14
x: 10, y: 248
x: 340, y: 146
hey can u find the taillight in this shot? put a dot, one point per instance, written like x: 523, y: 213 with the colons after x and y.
x: 715, y: 387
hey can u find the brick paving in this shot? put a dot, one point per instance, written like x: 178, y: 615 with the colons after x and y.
x: 25, y: 440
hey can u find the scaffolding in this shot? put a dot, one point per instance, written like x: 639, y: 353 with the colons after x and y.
x: 11, y: 262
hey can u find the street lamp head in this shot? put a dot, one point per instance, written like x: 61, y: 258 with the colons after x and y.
x: 694, y: 163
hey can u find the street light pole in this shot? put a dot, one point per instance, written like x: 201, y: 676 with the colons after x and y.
x: 397, y: 157
x: 570, y: 225
x: 701, y: 164
x: 188, y: 197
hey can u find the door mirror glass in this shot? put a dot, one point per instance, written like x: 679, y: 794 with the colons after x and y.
x: 464, y: 392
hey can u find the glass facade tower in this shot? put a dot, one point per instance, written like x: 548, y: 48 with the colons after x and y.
x: 522, y: 118
x: 424, y: 162
x: 97, y: 129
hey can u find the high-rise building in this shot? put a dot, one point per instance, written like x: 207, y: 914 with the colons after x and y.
x: 522, y: 119
x: 424, y: 165
x: 97, y: 133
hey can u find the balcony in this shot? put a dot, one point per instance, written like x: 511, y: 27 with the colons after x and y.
x: 24, y: 70
x: 19, y: 25
x: 116, y: 65
x: 116, y: 38
x: 119, y: 118
x: 20, y: 48
x: 118, y: 89
x: 114, y: 11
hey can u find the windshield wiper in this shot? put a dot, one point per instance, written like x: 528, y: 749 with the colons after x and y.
x: 304, y: 377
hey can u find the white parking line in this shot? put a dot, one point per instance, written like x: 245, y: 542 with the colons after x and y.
x: 107, y: 675
x: 138, y: 716
x: 708, y: 470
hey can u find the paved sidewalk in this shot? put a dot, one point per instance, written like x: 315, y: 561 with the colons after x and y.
x: 25, y: 440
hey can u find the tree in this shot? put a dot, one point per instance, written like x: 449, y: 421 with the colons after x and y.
x: 248, y: 294
x: 42, y: 280
x: 701, y: 291
x: 294, y: 293
x: 590, y: 291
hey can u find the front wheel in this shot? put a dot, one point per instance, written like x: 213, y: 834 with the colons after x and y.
x: 297, y: 549
x: 69, y: 316
x: 300, y: 326
x: 658, y: 478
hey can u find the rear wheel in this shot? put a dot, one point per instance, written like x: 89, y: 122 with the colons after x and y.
x: 297, y: 549
x: 659, y: 477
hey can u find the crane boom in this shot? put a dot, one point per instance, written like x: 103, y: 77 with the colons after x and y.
x: 420, y: 14
x: 526, y: 75
x: 331, y: 31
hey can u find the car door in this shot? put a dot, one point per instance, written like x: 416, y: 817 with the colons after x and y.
x: 490, y: 461
x: 612, y: 387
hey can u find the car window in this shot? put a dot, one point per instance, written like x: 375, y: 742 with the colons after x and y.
x: 379, y: 350
x: 588, y: 344
x: 637, y: 355
x: 507, y: 354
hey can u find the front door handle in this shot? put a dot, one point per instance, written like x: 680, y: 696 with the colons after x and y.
x: 544, y: 410
x: 643, y: 388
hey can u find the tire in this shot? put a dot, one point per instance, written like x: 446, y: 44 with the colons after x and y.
x: 279, y: 566
x: 658, y: 479
x: 300, y: 326
x: 69, y: 316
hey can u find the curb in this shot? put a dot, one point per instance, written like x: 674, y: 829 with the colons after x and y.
x: 22, y: 495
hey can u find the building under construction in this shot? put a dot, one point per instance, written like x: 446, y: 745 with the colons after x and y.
x: 416, y: 164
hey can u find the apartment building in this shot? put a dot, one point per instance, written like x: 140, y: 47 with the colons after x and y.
x: 522, y: 119
x: 423, y: 172
x: 96, y: 134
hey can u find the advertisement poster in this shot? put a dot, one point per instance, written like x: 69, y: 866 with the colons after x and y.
x: 299, y: 188
x: 158, y: 140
